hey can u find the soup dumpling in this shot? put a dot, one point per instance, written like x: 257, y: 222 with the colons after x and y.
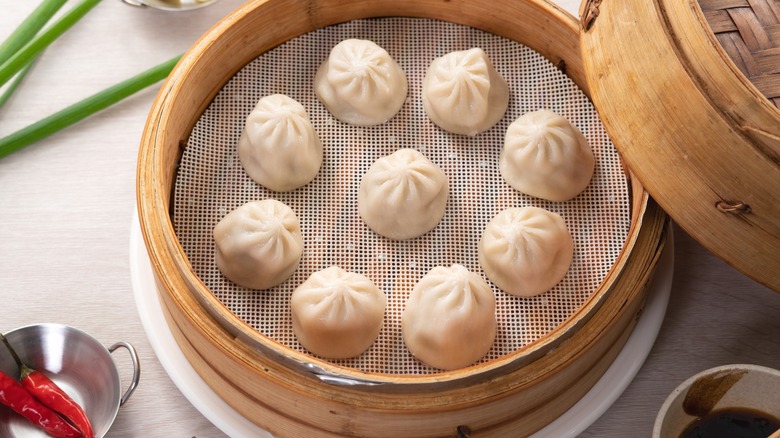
x: 279, y: 148
x: 360, y: 83
x: 337, y: 314
x: 259, y: 244
x: 546, y: 156
x: 463, y: 93
x: 526, y: 251
x: 449, y: 321
x: 403, y: 195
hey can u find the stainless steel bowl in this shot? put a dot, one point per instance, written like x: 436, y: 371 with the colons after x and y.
x: 171, y: 5
x: 76, y: 362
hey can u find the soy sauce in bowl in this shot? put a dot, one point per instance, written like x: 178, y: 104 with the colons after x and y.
x: 732, y: 422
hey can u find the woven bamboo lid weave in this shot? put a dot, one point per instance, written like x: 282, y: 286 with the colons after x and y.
x: 749, y: 31
x: 688, y: 90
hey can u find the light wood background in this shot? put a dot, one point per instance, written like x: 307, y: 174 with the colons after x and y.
x: 66, y: 206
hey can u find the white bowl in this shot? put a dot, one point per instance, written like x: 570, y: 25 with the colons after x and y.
x: 726, y: 387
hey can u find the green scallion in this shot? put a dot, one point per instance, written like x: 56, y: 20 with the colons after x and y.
x: 15, y: 83
x: 24, y: 55
x: 84, y: 108
x: 29, y: 27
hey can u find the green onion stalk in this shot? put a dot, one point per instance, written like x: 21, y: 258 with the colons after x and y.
x: 29, y: 28
x: 84, y: 108
x: 13, y: 85
x: 21, y: 35
x: 24, y: 55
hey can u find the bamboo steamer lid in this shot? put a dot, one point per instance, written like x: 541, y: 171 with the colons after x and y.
x: 694, y: 115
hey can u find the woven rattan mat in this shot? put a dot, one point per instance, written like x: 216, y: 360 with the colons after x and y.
x: 211, y: 182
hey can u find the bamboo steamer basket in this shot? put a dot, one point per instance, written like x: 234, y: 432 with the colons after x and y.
x: 293, y: 394
x: 688, y: 92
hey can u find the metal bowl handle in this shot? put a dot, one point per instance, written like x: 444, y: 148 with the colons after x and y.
x: 136, y: 369
x: 134, y: 3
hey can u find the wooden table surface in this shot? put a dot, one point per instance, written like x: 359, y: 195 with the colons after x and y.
x: 66, y: 205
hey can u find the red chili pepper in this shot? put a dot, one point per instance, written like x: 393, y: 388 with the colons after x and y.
x: 49, y: 394
x: 13, y: 395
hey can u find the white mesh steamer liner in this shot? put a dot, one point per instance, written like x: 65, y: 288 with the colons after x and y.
x: 211, y: 182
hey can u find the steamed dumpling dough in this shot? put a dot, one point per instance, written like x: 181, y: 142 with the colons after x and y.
x: 360, y: 83
x: 526, y: 250
x: 450, y: 318
x: 337, y: 314
x: 259, y: 244
x: 403, y: 195
x: 546, y: 157
x: 279, y: 148
x: 462, y: 93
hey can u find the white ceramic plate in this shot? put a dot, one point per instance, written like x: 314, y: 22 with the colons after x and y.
x: 570, y: 424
